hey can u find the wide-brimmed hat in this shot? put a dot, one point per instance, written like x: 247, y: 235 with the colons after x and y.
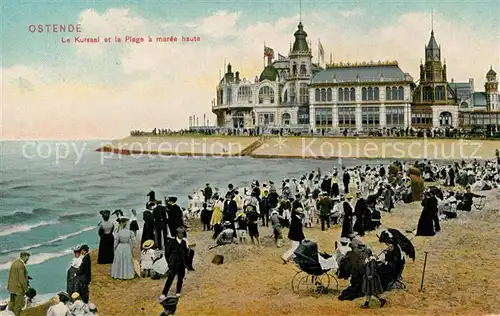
x: 76, y: 248
x: 172, y: 199
x: 105, y: 213
x: 84, y: 247
x: 75, y: 296
x: 180, y: 229
x: 299, y: 210
x: 349, y: 196
x: 148, y: 244
x: 63, y: 294
x: 344, y: 240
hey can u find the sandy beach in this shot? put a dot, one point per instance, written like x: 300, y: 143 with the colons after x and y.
x: 306, y: 147
x: 460, y: 277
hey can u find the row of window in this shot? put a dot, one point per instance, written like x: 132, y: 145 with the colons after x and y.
x: 367, y: 94
x: 431, y: 94
x: 369, y: 116
x: 266, y: 93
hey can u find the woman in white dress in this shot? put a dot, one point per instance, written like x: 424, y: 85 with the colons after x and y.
x: 123, y: 263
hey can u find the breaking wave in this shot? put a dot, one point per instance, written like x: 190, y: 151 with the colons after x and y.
x: 52, y: 241
x: 9, y: 230
x: 20, y: 216
x: 38, y: 258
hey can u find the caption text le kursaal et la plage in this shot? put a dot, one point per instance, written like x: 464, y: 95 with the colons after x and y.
x: 68, y: 37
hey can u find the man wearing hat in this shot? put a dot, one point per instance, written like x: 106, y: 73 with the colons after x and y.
x: 177, y: 256
x: 84, y: 274
x: 160, y: 223
x: 207, y: 192
x: 18, y: 283
x: 61, y: 308
x: 175, y: 216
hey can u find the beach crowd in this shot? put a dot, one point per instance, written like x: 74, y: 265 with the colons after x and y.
x: 352, y: 197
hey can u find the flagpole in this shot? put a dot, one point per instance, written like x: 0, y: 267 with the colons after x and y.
x: 318, y: 52
x: 264, y: 57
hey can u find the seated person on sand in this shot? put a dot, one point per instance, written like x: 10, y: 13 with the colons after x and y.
x: 78, y: 307
x: 148, y: 256
x: 60, y: 308
x: 448, y: 208
x: 226, y: 236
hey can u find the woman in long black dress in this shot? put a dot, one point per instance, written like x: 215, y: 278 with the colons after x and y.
x: 295, y: 233
x: 360, y: 210
x: 347, y: 224
x: 149, y: 227
x: 426, y: 221
x: 106, y: 243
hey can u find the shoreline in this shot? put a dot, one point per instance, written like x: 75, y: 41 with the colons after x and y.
x: 299, y: 147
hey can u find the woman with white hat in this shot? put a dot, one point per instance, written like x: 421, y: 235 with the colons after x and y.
x: 123, y: 264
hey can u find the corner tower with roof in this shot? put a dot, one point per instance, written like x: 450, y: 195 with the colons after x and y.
x: 491, y: 91
x: 434, y: 101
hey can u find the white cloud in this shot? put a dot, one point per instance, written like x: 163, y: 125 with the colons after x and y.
x: 352, y: 13
x: 174, y: 81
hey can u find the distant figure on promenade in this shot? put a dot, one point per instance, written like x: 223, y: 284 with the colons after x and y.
x: 105, y: 255
x: 18, y: 283
x: 85, y: 274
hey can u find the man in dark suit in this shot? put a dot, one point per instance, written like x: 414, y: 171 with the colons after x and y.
x: 84, y: 273
x: 160, y: 220
x: 178, y: 257
x: 229, y: 211
x: 174, y: 216
x: 207, y: 192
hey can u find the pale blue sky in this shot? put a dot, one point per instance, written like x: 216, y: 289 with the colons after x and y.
x: 84, y: 86
x: 19, y: 46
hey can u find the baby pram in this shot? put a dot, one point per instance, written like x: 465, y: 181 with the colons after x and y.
x: 312, y: 276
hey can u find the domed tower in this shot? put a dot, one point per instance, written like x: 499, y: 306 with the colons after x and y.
x: 300, y: 71
x: 300, y: 55
x: 491, y: 90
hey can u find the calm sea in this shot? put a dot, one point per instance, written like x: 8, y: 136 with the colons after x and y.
x: 50, y: 197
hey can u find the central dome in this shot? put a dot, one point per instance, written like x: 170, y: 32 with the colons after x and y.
x: 269, y: 73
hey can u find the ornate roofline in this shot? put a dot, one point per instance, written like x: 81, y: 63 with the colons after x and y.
x: 371, y: 63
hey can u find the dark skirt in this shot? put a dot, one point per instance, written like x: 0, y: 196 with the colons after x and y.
x: 335, y: 190
x: 106, y: 249
x: 71, y: 281
x: 372, y: 286
x: 147, y: 232
x: 134, y: 226
x: 253, y: 230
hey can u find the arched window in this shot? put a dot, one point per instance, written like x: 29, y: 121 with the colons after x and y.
x: 229, y: 95
x: 401, y: 93
x: 304, y: 93
x: 341, y: 94
x: 303, y: 69
x: 316, y: 95
x: 376, y: 94
x: 394, y: 93
x: 285, y: 119
x: 266, y: 93
x: 294, y: 69
x: 346, y: 94
x: 353, y: 95
x: 323, y: 94
x: 439, y: 93
x: 364, y: 94
x: 329, y: 94
x: 244, y: 94
x: 388, y: 94
x: 286, y: 96
x: 370, y: 93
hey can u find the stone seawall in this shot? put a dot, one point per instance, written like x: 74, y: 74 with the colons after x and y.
x: 306, y: 147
